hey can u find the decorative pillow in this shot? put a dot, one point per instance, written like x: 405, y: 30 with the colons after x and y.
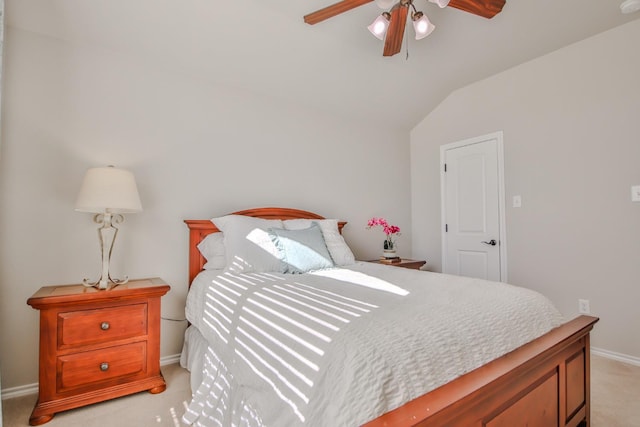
x: 212, y: 249
x: 302, y: 250
x: 338, y: 248
x: 249, y: 247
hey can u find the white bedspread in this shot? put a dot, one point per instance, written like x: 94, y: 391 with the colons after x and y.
x: 341, y: 347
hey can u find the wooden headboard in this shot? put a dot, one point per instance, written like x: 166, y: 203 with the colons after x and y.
x: 201, y: 228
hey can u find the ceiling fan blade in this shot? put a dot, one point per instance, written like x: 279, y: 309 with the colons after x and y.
x: 395, y: 32
x: 485, y: 8
x: 333, y: 10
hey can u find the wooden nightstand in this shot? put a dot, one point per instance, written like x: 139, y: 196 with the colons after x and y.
x: 97, y: 345
x: 404, y: 262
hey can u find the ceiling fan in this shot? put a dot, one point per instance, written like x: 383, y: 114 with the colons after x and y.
x: 390, y: 25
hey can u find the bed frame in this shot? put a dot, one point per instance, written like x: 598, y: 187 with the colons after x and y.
x: 541, y: 384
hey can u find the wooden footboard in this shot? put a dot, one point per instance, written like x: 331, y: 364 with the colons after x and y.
x: 543, y: 383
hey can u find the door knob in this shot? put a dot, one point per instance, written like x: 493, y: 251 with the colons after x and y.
x: 491, y: 242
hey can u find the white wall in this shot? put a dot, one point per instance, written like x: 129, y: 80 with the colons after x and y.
x: 572, y: 150
x: 197, y: 151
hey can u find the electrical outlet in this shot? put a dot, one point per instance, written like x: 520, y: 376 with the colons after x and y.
x: 517, y: 201
x: 583, y: 306
x: 635, y: 193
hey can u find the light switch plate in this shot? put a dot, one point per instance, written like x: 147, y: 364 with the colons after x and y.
x: 635, y: 193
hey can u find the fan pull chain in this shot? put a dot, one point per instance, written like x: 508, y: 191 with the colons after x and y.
x: 406, y: 43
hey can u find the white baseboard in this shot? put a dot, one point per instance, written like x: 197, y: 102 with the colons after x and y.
x: 625, y: 358
x: 24, y: 390
x: 21, y: 390
x: 168, y: 360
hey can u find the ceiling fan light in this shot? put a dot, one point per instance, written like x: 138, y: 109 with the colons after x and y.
x: 379, y: 27
x: 421, y: 25
x: 630, y: 6
x: 385, y: 4
x: 441, y: 3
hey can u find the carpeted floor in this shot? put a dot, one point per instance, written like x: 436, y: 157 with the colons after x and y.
x: 615, y: 397
x: 138, y: 410
x: 615, y: 393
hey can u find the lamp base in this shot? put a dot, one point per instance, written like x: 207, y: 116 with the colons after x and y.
x: 107, y: 235
x: 105, y: 284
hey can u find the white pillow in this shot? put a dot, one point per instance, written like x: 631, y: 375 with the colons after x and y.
x: 212, y: 249
x: 338, y: 248
x: 248, y: 246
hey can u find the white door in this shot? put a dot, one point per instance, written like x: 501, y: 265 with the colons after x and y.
x: 473, y: 208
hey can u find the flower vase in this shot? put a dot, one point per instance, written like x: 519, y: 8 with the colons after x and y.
x: 389, y: 250
x: 389, y: 253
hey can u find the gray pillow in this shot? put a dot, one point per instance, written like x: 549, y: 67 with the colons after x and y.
x: 302, y: 250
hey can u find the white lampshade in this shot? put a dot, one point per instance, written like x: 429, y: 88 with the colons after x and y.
x: 441, y: 3
x: 108, y: 190
x: 379, y: 27
x: 422, y: 26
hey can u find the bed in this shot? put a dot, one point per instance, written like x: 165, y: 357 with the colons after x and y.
x: 541, y: 381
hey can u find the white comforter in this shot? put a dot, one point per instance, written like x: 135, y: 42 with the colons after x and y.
x: 343, y: 346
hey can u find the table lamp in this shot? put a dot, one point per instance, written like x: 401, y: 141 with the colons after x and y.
x: 108, y: 192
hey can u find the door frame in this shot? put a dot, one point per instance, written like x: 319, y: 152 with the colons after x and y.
x: 498, y: 136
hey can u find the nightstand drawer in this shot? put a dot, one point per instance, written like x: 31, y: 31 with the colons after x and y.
x: 101, y: 325
x: 99, y: 366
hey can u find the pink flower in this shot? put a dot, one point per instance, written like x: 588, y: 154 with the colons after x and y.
x: 377, y: 221
x: 389, y: 230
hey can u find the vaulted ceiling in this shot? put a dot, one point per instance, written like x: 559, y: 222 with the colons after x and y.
x: 337, y: 65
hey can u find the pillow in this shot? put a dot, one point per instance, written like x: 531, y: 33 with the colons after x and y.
x: 340, y: 252
x: 302, y: 250
x: 212, y: 249
x: 249, y: 247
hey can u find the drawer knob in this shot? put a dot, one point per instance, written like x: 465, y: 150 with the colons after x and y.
x: 105, y: 326
x: 104, y: 366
